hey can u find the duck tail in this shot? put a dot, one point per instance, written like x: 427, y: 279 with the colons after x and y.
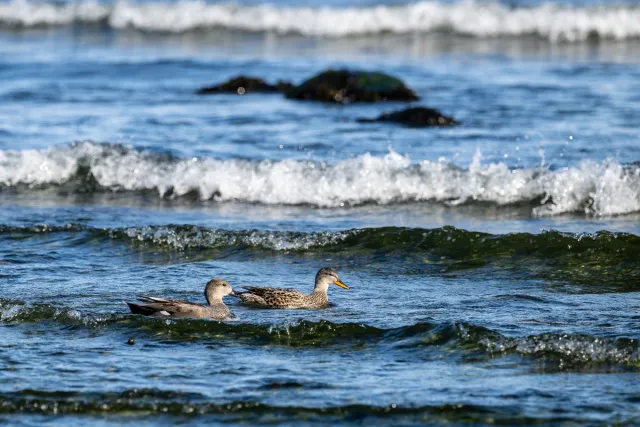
x: 238, y: 294
x: 140, y: 309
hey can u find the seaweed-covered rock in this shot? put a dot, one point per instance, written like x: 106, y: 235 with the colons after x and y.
x: 243, y: 84
x: 415, y: 117
x: 344, y: 86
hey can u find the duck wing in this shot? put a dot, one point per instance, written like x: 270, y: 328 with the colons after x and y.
x: 256, y: 290
x: 160, y: 307
x: 274, y: 297
x: 145, y: 298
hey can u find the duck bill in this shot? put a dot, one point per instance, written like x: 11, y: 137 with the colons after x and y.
x: 339, y: 283
x: 233, y: 294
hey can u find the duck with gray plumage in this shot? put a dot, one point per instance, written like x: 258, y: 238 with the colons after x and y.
x: 215, y: 290
x: 291, y: 298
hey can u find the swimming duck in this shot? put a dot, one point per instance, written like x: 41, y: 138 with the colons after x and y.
x: 290, y: 298
x: 215, y: 290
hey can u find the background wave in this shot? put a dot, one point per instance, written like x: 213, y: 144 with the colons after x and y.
x: 469, y: 18
x: 606, y: 188
x: 602, y: 260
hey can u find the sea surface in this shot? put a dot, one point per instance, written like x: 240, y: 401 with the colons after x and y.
x: 494, y: 266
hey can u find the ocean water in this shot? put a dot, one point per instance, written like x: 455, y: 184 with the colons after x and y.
x: 494, y: 266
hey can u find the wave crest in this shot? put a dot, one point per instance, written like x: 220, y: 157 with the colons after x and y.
x: 599, y: 260
x: 571, y: 350
x: 469, y: 18
x: 606, y: 188
x: 190, y: 237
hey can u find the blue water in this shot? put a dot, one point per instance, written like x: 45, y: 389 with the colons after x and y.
x: 493, y: 265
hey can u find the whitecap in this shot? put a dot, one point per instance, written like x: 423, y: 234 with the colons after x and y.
x: 470, y: 18
x: 596, y: 188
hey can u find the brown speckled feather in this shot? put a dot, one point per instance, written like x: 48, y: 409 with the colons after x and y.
x: 282, y: 298
x: 291, y: 298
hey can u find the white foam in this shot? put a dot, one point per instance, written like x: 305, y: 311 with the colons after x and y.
x: 187, y: 237
x: 605, y: 188
x: 24, y: 13
x: 470, y: 18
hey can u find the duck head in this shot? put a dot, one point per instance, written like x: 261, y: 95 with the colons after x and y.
x: 216, y: 289
x: 328, y: 276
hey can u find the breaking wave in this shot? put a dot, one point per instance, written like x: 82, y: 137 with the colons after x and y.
x: 572, y: 350
x: 470, y: 18
x: 594, y: 188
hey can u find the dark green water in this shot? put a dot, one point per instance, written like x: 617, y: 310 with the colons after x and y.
x: 441, y: 326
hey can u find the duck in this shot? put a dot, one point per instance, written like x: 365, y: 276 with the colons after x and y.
x: 214, y: 291
x: 291, y: 298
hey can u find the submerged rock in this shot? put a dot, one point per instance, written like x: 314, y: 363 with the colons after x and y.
x: 415, y: 117
x: 243, y: 84
x: 344, y: 86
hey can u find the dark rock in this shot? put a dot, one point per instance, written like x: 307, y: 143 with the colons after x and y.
x: 284, y: 86
x: 243, y: 84
x: 131, y: 341
x: 415, y: 117
x: 344, y: 86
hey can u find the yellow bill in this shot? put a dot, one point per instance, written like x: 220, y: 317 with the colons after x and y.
x: 339, y: 283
